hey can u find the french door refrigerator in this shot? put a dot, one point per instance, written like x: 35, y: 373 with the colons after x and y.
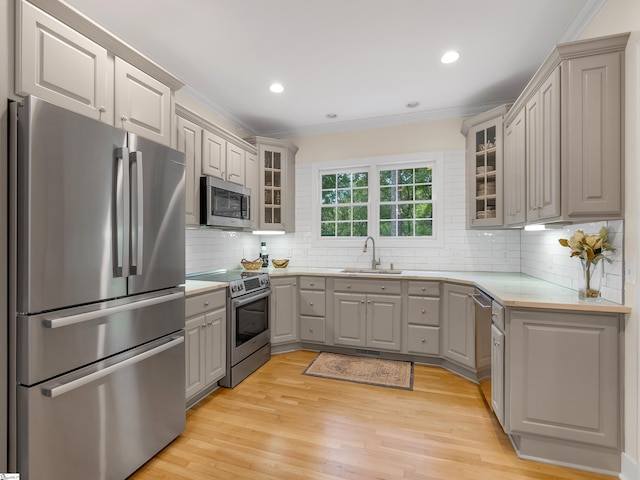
x: 98, y: 333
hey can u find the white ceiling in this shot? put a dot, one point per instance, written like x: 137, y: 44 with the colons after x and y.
x: 363, y: 60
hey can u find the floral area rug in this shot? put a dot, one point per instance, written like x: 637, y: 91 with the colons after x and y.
x: 371, y: 371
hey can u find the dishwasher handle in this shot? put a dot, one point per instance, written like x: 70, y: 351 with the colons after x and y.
x: 478, y: 297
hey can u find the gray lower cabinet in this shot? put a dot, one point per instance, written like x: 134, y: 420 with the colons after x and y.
x: 459, y: 325
x: 205, y: 342
x: 312, y: 309
x: 564, y: 376
x: 365, y: 318
x: 423, y: 318
x: 284, y: 310
x: 497, y: 373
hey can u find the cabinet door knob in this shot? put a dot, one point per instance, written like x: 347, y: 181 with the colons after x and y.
x: 206, y: 304
x: 424, y: 340
x: 203, y: 325
x: 102, y: 109
x: 424, y: 288
x: 361, y: 301
x: 382, y: 287
x: 348, y: 286
x: 210, y: 323
x: 311, y: 330
x: 422, y: 311
x: 311, y: 284
x: 369, y: 301
x: 124, y: 118
x: 496, y: 343
x: 311, y: 303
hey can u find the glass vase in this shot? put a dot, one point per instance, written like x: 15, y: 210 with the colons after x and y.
x: 589, y: 287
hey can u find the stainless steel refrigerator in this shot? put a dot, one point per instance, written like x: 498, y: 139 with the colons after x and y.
x: 97, y: 339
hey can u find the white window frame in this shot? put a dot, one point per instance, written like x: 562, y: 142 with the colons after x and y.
x: 373, y: 165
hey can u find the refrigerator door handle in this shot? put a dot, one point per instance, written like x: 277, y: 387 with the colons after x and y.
x: 80, y: 382
x: 92, y: 315
x: 137, y: 209
x: 121, y: 242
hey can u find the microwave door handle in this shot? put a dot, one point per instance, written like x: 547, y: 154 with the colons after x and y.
x: 137, y: 208
x: 120, y: 230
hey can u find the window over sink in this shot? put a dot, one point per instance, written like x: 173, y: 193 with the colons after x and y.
x: 393, y: 199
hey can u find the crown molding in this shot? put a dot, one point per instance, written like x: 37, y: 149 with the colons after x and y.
x: 584, y: 17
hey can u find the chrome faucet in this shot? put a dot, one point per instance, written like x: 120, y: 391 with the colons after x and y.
x: 374, y: 262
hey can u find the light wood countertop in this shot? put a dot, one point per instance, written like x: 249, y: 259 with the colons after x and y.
x: 510, y: 289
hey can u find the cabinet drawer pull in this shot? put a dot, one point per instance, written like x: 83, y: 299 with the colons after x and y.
x: 312, y: 284
x: 422, y: 311
x: 382, y: 287
x: 424, y: 340
x: 424, y: 288
x: 311, y: 303
x: 348, y: 286
x: 124, y: 118
x: 206, y: 304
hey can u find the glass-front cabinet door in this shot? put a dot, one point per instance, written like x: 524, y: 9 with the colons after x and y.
x: 273, y: 165
x: 484, y: 169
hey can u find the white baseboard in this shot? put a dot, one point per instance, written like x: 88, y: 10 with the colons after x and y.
x: 629, y: 468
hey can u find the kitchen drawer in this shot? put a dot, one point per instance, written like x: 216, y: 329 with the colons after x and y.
x: 424, y: 311
x: 497, y: 315
x: 367, y: 286
x: 423, y: 340
x: 312, y: 329
x: 312, y: 283
x: 312, y: 303
x: 205, y: 302
x: 429, y: 289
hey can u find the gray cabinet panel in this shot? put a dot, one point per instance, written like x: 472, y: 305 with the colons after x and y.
x: 284, y: 310
x: 312, y: 329
x: 424, y: 311
x: 383, y: 322
x: 423, y: 340
x: 312, y: 303
x: 350, y: 312
x: 459, y: 325
x: 593, y: 135
x: 514, y: 171
x: 564, y: 376
x: 497, y: 373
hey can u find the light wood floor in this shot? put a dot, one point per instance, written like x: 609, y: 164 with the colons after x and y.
x: 279, y: 424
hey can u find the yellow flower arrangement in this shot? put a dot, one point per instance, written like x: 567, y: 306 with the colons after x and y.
x: 591, y: 250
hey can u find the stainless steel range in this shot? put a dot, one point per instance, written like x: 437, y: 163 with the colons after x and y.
x: 248, y: 323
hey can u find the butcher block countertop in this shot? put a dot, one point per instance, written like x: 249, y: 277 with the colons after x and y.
x: 509, y: 289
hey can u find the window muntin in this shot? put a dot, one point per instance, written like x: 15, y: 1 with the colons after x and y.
x: 406, y: 202
x: 344, y: 210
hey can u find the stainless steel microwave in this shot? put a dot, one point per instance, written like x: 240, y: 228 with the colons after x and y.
x: 224, y: 204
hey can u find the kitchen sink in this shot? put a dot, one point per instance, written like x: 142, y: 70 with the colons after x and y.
x: 371, y: 270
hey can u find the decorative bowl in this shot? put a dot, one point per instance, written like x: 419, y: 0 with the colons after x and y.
x: 251, y: 264
x: 280, y: 263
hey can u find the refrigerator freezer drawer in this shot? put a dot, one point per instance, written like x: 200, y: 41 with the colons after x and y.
x: 53, y: 343
x: 103, y: 421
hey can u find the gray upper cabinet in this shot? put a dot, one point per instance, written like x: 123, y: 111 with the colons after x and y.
x: 211, y: 150
x: 573, y: 143
x: 84, y: 68
x: 276, y: 196
x: 542, y: 140
x: 514, y: 172
x: 484, y: 168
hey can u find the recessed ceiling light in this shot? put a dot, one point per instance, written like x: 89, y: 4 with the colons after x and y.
x: 413, y: 104
x: 332, y: 115
x: 276, y: 88
x: 450, y: 57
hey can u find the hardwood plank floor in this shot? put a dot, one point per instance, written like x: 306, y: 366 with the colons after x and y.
x: 280, y: 424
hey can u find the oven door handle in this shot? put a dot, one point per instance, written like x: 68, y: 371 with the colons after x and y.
x: 240, y: 302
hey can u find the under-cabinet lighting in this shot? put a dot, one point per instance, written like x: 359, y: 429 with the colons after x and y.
x: 268, y: 232
x: 535, y: 227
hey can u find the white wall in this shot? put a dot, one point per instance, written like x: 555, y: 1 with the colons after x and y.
x: 619, y: 16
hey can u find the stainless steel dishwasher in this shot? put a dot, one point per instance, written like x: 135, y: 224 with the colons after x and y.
x: 483, y: 342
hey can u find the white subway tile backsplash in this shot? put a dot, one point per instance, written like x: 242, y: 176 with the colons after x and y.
x: 534, y: 253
